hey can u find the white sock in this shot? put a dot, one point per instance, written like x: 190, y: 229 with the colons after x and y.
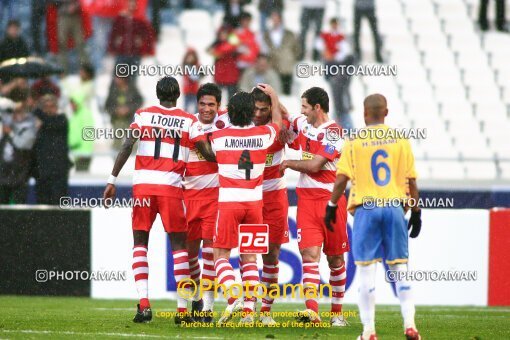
x: 404, y: 295
x: 366, y: 301
x: 208, y: 299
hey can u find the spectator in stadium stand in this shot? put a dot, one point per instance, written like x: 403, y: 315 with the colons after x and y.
x: 51, y: 161
x: 190, y: 82
x: 13, y: 45
x: 282, y: 47
x: 233, y: 10
x: 122, y: 102
x: 336, y: 51
x: 366, y: 8
x: 248, y: 48
x: 42, y: 87
x: 81, y: 104
x: 131, y: 37
x: 69, y: 24
x: 266, y: 7
x: 18, y: 137
x: 103, y: 14
x: 311, y: 11
x: 500, y: 16
x: 260, y: 73
x: 37, y: 18
x: 224, y: 51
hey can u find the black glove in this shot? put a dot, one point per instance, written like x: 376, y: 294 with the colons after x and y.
x: 415, y: 223
x: 330, y: 217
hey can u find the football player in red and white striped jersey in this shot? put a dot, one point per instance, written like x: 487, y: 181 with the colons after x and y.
x: 241, y: 152
x: 161, y: 157
x: 319, y: 139
x: 201, y: 198
x: 276, y: 203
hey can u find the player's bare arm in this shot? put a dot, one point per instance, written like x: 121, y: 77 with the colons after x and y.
x: 276, y: 113
x: 122, y: 157
x: 308, y: 166
x: 206, y: 151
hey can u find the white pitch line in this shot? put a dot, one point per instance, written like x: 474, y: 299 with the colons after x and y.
x: 126, y: 335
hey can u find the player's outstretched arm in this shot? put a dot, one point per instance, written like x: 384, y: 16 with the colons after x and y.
x: 415, y: 220
x: 206, y: 150
x: 121, y: 159
x: 338, y: 191
x: 308, y: 166
x: 276, y: 113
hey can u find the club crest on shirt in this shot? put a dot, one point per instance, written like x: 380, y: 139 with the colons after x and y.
x: 220, y: 124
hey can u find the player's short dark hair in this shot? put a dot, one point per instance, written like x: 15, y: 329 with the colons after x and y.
x: 333, y: 20
x: 240, y: 109
x: 89, y: 70
x: 244, y: 15
x: 14, y: 22
x: 167, y: 89
x: 209, y: 89
x: 259, y: 96
x: 317, y: 95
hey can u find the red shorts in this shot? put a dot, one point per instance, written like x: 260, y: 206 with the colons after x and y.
x: 275, y: 214
x: 170, y: 209
x: 226, y: 235
x: 312, y: 230
x: 201, y: 216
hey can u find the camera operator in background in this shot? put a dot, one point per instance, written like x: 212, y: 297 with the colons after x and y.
x: 18, y: 136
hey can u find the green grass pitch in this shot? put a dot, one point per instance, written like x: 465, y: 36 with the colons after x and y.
x: 69, y: 317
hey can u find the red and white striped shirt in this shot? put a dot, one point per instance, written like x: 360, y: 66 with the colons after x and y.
x: 161, y: 157
x: 201, y: 177
x: 273, y: 178
x: 324, y: 141
x: 241, y: 155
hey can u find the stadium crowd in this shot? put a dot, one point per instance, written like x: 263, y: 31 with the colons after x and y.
x: 78, y: 35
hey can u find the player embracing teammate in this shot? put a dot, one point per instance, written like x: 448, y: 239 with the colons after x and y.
x: 276, y: 203
x: 320, y: 142
x: 201, y: 199
x: 163, y: 151
x: 241, y: 152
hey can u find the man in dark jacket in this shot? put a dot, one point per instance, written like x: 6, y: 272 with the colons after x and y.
x: 51, y: 153
x: 13, y: 45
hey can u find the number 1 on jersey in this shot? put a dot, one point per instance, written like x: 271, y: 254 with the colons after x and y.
x: 245, y: 163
